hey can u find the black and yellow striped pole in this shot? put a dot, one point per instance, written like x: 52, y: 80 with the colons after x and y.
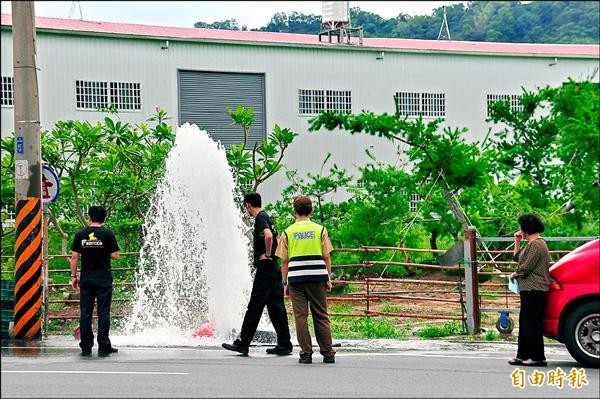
x: 28, y: 175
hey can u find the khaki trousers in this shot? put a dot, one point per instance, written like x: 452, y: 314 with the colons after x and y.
x: 313, y: 296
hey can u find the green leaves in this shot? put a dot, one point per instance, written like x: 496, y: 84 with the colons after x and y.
x: 552, y: 145
x: 253, y: 167
x: 113, y: 164
x: 488, y: 21
x: 242, y: 116
x: 434, y: 154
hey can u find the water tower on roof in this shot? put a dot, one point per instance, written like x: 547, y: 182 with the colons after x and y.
x: 336, y: 22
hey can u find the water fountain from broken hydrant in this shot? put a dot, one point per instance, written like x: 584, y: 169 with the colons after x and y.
x: 193, y: 275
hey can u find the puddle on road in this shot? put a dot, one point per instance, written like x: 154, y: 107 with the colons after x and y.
x: 67, y: 345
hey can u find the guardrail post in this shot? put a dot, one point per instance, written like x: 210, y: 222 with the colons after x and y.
x: 368, y: 295
x: 472, y: 282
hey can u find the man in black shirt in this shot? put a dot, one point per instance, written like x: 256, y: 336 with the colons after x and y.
x: 268, y: 286
x: 96, y: 245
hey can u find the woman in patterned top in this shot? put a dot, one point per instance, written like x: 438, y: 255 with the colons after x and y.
x: 533, y: 276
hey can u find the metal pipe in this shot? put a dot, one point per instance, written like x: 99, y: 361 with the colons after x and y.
x: 438, y: 251
x: 414, y: 298
x: 114, y: 284
x: 418, y: 265
x: 399, y: 280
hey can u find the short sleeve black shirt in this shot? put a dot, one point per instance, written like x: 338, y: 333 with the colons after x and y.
x: 263, y: 221
x: 95, y: 244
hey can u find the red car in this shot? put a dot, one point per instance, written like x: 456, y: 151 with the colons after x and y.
x: 573, y: 307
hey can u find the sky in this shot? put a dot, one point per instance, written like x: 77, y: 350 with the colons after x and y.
x: 253, y: 14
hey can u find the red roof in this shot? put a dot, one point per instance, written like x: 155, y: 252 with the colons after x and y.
x: 168, y: 32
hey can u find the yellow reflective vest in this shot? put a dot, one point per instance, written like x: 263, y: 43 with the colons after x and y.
x: 305, y: 253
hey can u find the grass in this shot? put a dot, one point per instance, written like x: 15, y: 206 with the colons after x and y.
x: 56, y: 306
x: 393, y: 308
x: 62, y: 327
x: 450, y: 328
x: 366, y: 327
x: 490, y: 335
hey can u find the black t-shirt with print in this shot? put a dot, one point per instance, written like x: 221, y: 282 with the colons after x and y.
x: 95, y: 244
x: 263, y: 221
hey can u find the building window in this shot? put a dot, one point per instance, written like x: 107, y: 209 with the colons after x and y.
x: 91, y: 95
x: 124, y: 96
x: 513, y: 99
x: 413, y: 204
x: 8, y: 91
x: 246, y: 186
x: 421, y: 104
x: 311, y: 102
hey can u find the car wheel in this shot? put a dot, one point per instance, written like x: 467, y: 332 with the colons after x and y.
x: 582, y: 334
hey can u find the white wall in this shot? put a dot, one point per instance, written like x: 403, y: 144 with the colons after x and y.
x: 465, y: 80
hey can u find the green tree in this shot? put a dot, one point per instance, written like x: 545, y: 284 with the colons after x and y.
x: 488, y: 21
x: 253, y: 167
x: 442, y: 157
x: 109, y: 163
x: 318, y: 186
x: 228, y: 24
x: 293, y: 22
x: 552, y: 148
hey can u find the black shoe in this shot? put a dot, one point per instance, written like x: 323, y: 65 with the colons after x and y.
x: 86, y: 352
x: 305, y: 358
x: 515, y: 361
x: 534, y: 363
x: 107, y: 351
x: 329, y: 359
x: 236, y: 348
x: 279, y: 350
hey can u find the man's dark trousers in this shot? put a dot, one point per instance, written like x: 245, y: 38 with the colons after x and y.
x: 266, y: 291
x: 101, y: 290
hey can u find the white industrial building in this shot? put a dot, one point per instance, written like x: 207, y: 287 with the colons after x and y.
x: 194, y: 74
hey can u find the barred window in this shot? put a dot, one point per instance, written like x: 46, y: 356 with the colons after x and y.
x: 512, y: 98
x: 92, y: 95
x: 8, y: 90
x: 8, y: 217
x: 423, y: 104
x: 311, y: 102
x: 246, y: 185
x: 125, y: 96
x: 413, y: 204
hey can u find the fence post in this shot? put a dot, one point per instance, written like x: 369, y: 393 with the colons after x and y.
x: 472, y: 281
x: 368, y: 295
x: 45, y: 291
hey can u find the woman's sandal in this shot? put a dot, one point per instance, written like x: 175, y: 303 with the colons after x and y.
x: 534, y: 363
x: 515, y: 361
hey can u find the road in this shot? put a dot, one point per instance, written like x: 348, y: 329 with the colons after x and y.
x: 377, y: 368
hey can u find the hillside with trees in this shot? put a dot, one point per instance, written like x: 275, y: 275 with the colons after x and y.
x: 487, y: 21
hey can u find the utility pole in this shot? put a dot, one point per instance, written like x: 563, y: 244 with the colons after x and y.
x: 28, y: 175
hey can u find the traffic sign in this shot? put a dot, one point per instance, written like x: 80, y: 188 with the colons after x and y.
x: 50, y: 185
x: 19, y: 144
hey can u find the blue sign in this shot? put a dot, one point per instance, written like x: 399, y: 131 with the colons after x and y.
x: 19, y: 144
x: 50, y: 185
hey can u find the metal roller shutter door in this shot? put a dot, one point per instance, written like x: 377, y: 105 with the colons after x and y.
x: 205, y: 96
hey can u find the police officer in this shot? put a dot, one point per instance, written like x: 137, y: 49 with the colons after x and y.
x: 267, y: 289
x: 304, y: 250
x: 96, y: 245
